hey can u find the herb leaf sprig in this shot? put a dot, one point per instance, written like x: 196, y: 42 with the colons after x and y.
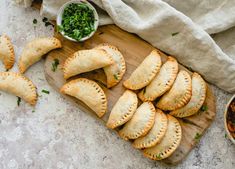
x: 55, y: 64
x: 77, y: 21
x: 45, y: 91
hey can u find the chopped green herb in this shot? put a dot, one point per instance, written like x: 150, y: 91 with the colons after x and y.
x: 204, y: 108
x: 175, y: 33
x: 77, y: 21
x: 225, y: 135
x: 44, y: 19
x: 48, y: 24
x: 115, y: 76
x: 197, y: 136
x: 18, y: 101
x: 190, y: 69
x: 55, y: 64
x: 35, y: 21
x: 144, y: 90
x: 45, y: 91
x: 33, y: 111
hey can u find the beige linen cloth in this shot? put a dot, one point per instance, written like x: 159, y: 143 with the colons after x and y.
x: 180, y: 28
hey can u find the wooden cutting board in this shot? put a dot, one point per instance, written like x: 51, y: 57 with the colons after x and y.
x: 134, y: 49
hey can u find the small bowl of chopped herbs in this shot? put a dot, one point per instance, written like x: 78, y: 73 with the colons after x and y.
x: 77, y: 20
x: 229, y: 119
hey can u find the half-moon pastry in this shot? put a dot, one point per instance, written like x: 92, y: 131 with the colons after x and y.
x: 7, y: 54
x: 156, y: 134
x: 88, y: 92
x: 123, y: 110
x: 169, y: 143
x: 140, y: 123
x: 34, y: 50
x: 19, y: 85
x: 162, y: 82
x: 197, y: 99
x: 179, y: 95
x: 145, y: 72
x: 115, y: 71
x: 85, y: 61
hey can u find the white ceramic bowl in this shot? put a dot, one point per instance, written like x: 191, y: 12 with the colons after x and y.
x: 225, y: 120
x: 61, y: 11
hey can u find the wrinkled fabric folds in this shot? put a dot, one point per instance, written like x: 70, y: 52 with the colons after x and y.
x: 179, y: 28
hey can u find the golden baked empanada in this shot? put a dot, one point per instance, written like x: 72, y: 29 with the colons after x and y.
x: 156, y: 134
x: 115, y: 71
x: 35, y: 49
x: 18, y: 85
x: 162, y: 82
x: 7, y: 54
x: 140, y: 123
x: 168, y: 144
x: 145, y: 72
x: 123, y: 110
x: 88, y: 92
x: 179, y: 95
x: 85, y: 61
x: 197, y: 99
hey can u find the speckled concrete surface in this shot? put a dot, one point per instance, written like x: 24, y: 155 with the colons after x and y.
x: 56, y: 134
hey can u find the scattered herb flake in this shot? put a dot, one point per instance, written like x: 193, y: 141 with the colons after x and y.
x: 35, y: 21
x: 55, y: 64
x: 48, y: 24
x: 197, y: 136
x: 45, y: 91
x: 115, y: 76
x: 33, y: 111
x: 18, y: 101
x: 44, y: 19
x: 175, y: 33
x: 77, y: 21
x: 190, y: 69
x: 225, y: 135
x: 101, y: 33
x: 144, y: 90
x: 204, y: 108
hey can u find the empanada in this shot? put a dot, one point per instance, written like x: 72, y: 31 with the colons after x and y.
x: 179, y: 95
x: 7, y: 54
x: 140, y: 123
x: 156, y: 134
x: 88, y: 92
x: 169, y: 143
x: 145, y: 72
x: 115, y: 71
x: 123, y: 110
x: 162, y: 82
x: 34, y: 50
x: 85, y: 61
x: 197, y: 99
x: 18, y: 85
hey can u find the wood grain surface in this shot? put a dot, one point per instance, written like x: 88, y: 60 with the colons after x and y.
x: 134, y: 50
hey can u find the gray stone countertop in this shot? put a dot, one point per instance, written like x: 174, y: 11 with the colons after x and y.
x: 56, y: 134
